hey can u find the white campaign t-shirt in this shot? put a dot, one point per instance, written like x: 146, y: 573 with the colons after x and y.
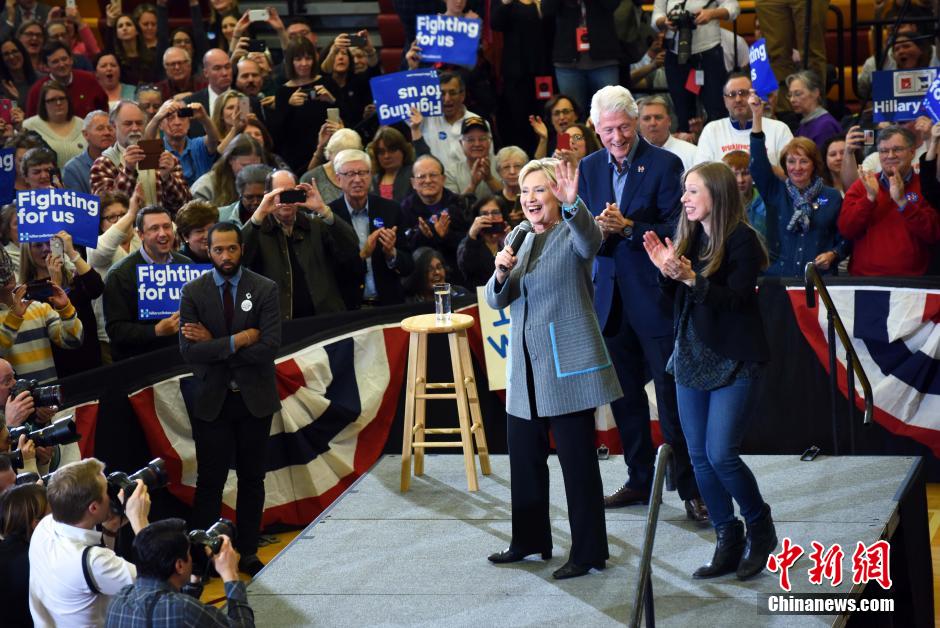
x: 720, y: 137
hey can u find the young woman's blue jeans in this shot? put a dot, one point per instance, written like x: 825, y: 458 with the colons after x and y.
x: 714, y: 423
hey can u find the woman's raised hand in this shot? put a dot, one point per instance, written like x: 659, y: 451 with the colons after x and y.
x: 566, y: 188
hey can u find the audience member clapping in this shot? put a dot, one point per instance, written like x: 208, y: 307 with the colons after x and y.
x: 475, y: 174
x: 561, y: 111
x: 892, y: 227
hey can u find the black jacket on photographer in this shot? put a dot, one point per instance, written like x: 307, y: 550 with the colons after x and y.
x: 458, y: 207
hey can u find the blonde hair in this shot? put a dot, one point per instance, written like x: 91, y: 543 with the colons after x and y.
x: 727, y: 212
x: 73, y: 487
x: 30, y: 271
x: 546, y: 166
x: 218, y: 117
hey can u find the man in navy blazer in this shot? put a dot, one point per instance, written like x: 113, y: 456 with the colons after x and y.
x: 632, y: 187
x: 376, y: 221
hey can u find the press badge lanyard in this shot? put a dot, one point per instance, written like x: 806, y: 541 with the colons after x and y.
x: 581, y: 42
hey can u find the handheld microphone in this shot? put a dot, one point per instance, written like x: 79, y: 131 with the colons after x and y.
x: 516, y: 238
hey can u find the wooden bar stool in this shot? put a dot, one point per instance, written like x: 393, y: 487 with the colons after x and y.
x: 470, y: 418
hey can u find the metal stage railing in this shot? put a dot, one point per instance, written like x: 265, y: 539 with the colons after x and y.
x: 814, y: 284
x: 643, y: 596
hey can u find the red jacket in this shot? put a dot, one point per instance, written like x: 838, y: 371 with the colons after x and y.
x: 886, y: 241
x: 84, y: 92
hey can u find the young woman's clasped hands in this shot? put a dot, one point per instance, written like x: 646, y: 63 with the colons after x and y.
x: 664, y: 257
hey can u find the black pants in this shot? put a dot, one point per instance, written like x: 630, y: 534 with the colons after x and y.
x: 712, y: 63
x: 238, y: 434
x: 528, y: 464
x: 636, y: 357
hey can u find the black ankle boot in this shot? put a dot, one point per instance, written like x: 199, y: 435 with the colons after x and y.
x: 761, y: 540
x: 727, y: 551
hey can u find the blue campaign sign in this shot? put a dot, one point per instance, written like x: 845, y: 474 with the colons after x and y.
x: 899, y: 94
x: 448, y: 39
x: 931, y: 104
x: 43, y: 213
x: 159, y: 287
x: 7, y: 175
x: 396, y: 93
x: 762, y: 75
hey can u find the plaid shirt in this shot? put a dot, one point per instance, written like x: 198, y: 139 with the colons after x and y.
x: 108, y: 177
x: 129, y: 608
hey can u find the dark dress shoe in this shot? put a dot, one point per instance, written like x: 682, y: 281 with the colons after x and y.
x: 760, y: 542
x: 626, y: 496
x: 250, y: 565
x: 728, y: 551
x: 696, y: 510
x: 574, y: 570
x: 510, y: 555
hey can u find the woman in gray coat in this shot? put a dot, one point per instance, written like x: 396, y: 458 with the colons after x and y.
x: 559, y: 370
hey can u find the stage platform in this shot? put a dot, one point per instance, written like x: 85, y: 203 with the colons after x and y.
x: 378, y: 557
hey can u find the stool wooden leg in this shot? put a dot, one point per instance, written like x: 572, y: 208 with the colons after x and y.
x: 421, y: 380
x: 463, y: 414
x: 476, y: 414
x: 409, y: 412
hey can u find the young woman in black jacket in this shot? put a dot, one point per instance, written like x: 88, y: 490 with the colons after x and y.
x: 720, y: 348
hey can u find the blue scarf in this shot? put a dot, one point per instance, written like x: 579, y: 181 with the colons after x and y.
x: 803, y: 204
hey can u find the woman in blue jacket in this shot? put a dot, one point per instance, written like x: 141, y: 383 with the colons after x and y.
x: 802, y: 211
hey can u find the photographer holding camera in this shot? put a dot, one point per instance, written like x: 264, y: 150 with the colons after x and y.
x: 73, y: 568
x: 164, y: 567
x: 694, y: 58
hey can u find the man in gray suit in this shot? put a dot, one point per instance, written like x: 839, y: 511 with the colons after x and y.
x: 230, y: 331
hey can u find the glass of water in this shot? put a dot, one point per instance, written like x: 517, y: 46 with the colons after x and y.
x: 442, y: 303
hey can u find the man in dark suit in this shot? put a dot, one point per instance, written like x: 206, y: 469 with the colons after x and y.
x: 130, y: 336
x: 217, y: 71
x: 230, y: 332
x: 22, y: 11
x: 381, y: 244
x: 633, y: 187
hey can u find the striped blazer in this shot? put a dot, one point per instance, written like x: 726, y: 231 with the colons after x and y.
x: 551, y: 305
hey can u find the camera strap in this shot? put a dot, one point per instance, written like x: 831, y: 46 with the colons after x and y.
x: 152, y: 606
x: 86, y: 570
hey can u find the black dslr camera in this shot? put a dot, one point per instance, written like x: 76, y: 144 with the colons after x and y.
x: 685, y: 24
x: 43, y: 396
x: 212, y: 538
x: 61, y: 432
x: 153, y: 475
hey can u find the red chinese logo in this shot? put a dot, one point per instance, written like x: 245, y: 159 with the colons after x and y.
x: 872, y: 563
x: 783, y: 561
x: 826, y: 564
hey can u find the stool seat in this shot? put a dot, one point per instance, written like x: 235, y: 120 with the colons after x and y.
x: 470, y: 419
x: 427, y: 324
